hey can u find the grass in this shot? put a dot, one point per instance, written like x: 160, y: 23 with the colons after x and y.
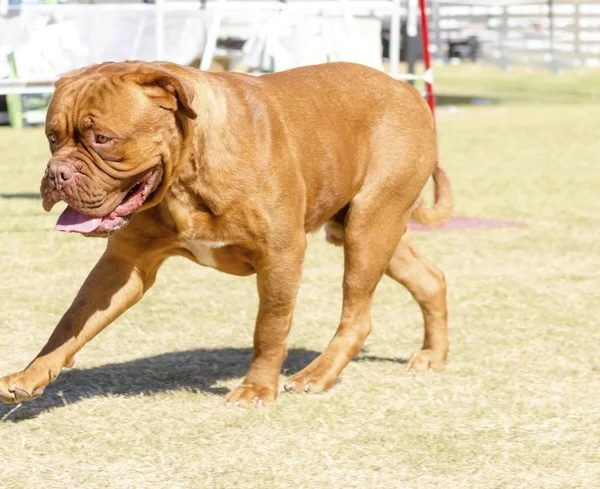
x: 520, y: 85
x: 517, y: 406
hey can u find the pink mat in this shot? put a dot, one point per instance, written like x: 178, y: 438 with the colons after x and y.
x: 462, y: 222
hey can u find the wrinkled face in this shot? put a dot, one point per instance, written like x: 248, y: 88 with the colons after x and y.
x: 111, y: 136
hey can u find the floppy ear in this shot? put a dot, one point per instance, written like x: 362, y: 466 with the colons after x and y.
x: 166, y: 89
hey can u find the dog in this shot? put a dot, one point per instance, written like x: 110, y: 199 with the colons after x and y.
x: 232, y: 171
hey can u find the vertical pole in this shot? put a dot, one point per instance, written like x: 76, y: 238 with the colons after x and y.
x: 435, y: 14
x: 553, y: 63
x: 395, y: 38
x: 577, y: 34
x: 213, y: 36
x: 349, y: 20
x: 502, y: 38
x: 159, y: 26
x: 14, y: 101
x: 428, y: 77
x: 411, y: 37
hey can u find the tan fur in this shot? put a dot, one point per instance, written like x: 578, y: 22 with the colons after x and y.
x: 246, y: 167
x: 442, y: 209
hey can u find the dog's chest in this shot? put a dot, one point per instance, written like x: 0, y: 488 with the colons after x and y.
x: 204, y: 251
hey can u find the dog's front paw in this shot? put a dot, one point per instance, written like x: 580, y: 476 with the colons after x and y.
x: 27, y: 384
x: 424, y: 360
x: 251, y: 395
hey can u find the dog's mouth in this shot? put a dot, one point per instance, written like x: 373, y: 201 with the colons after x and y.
x: 73, y: 221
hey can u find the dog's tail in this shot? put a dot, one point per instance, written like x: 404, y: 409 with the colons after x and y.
x: 441, y: 211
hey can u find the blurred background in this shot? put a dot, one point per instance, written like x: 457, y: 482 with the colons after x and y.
x: 42, y: 39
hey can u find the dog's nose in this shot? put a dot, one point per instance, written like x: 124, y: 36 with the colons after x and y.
x: 60, y: 172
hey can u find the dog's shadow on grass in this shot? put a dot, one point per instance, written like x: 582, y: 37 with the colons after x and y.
x: 195, y: 370
x: 21, y: 195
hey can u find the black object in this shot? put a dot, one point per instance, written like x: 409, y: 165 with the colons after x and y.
x: 464, y: 48
x: 231, y: 43
x: 411, y: 48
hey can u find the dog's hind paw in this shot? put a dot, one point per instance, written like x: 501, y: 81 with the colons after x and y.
x: 313, y: 379
x: 424, y: 360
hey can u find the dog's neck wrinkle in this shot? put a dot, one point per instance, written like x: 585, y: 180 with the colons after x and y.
x: 207, y: 171
x: 203, y: 188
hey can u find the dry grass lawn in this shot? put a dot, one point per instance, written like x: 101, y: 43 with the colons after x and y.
x: 517, y: 407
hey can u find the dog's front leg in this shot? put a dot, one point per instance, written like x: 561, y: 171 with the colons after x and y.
x: 117, y: 282
x: 278, y: 279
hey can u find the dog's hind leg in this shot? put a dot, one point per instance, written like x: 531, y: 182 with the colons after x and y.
x: 372, y: 231
x: 427, y: 285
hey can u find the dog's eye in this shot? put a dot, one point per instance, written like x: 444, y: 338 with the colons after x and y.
x: 100, y: 139
x: 52, y: 139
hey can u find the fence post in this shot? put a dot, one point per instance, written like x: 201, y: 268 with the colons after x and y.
x: 502, y: 38
x: 394, y: 50
x: 435, y: 17
x: 159, y: 29
x: 411, y: 37
x: 213, y: 36
x: 552, y: 49
x: 577, y: 34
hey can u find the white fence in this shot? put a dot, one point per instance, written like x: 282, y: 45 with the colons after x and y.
x: 175, y: 31
x: 180, y: 31
x: 522, y: 34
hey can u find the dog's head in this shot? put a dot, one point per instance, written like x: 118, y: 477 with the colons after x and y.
x: 113, y: 130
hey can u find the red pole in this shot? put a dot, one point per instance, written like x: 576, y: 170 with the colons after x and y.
x: 427, y: 60
x: 426, y: 54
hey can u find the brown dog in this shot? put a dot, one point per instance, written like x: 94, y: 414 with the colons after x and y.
x: 232, y: 172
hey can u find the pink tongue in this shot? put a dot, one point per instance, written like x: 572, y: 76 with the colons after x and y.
x: 72, y: 221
